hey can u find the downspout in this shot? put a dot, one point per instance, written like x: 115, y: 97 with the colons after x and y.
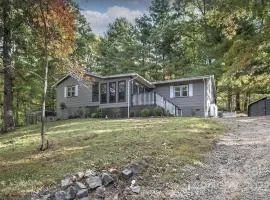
x: 204, y: 97
x: 128, y: 98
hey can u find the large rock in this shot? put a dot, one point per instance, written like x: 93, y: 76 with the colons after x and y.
x: 65, y: 183
x: 33, y: 196
x: 127, y: 173
x: 94, y: 182
x: 46, y: 197
x: 82, y: 193
x: 100, y: 193
x: 135, y: 189
x: 89, y: 173
x: 106, y: 179
x: 79, y: 175
x: 71, y: 193
x: 60, y: 195
x: 135, y: 168
x: 80, y: 186
x: 70, y: 176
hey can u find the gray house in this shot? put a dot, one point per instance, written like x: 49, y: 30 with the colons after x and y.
x: 126, y: 95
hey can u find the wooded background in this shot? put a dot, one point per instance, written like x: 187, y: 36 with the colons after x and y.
x: 227, y: 38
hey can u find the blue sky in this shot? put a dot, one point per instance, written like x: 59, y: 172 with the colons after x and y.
x: 99, y: 13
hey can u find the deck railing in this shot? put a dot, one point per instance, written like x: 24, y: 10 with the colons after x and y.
x: 152, y: 98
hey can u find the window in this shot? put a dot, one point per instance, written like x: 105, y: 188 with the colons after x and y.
x: 71, y: 91
x: 181, y: 91
x: 103, y: 93
x: 135, y: 88
x: 121, y: 91
x: 112, y: 92
x: 141, y: 89
x: 95, y: 92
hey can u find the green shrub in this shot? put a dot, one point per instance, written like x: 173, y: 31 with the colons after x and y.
x: 100, y: 112
x: 158, y: 111
x: 168, y: 114
x: 145, y: 112
x: 63, y: 105
x: 80, y: 113
x: 94, y: 115
x: 116, y: 112
x: 132, y: 113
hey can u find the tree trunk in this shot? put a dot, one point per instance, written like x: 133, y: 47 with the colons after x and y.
x: 229, y: 100
x: 17, y: 110
x: 247, y: 101
x: 44, y: 141
x: 237, y: 102
x: 8, y: 112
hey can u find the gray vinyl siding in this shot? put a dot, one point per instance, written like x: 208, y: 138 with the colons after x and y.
x: 84, y: 98
x: 190, y: 106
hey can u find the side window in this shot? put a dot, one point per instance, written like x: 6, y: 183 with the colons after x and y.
x: 181, y: 91
x: 71, y: 91
x: 103, y: 93
x: 112, y: 92
x: 177, y: 91
x: 141, y: 89
x: 95, y: 92
x: 184, y: 90
x: 122, y: 91
x: 138, y: 88
x: 135, y: 87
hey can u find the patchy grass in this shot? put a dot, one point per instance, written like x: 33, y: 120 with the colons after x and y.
x: 102, y: 144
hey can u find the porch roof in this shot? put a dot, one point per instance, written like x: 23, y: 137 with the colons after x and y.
x: 182, y: 79
x: 135, y: 76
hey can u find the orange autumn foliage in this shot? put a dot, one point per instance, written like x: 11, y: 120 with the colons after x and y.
x: 58, y: 18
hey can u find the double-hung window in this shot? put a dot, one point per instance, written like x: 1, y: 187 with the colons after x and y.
x: 135, y: 88
x: 181, y: 91
x: 71, y: 91
x: 103, y: 93
x: 112, y: 92
x: 121, y: 91
x: 95, y: 92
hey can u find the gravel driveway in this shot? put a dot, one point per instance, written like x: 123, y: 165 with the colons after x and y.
x: 238, y: 167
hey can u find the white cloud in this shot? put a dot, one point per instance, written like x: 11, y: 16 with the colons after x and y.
x: 99, y: 21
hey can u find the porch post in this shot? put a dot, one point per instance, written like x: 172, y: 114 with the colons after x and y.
x: 155, y: 103
x: 128, y: 97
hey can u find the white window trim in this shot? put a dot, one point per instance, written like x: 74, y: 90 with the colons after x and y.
x: 70, y: 94
x: 181, y: 90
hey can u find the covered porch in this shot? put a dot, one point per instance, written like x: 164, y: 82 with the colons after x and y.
x: 152, y: 98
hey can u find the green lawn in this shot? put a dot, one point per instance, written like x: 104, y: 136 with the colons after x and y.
x: 102, y: 144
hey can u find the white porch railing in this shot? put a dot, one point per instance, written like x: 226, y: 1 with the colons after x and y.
x: 147, y: 98
x: 152, y: 98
